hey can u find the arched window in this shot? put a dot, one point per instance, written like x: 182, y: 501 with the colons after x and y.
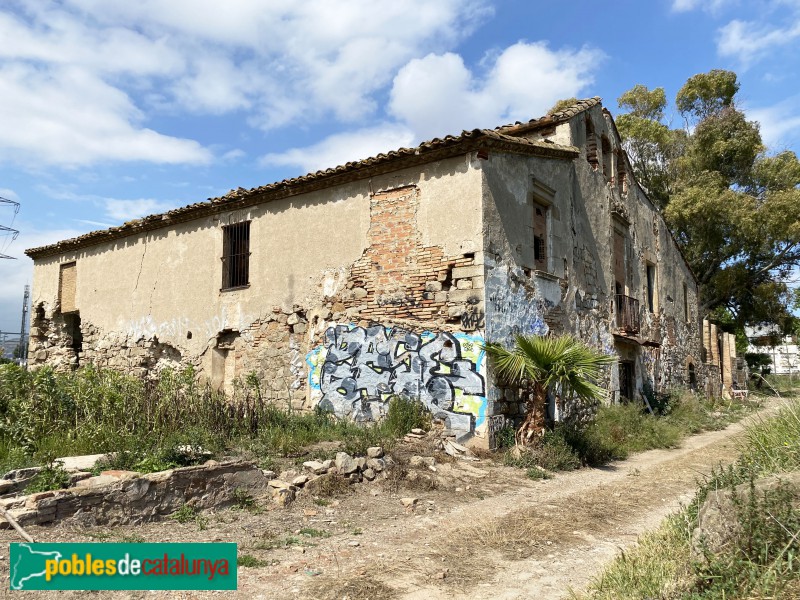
x: 692, y: 376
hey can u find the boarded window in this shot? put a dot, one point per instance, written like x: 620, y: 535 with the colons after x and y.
x: 67, y: 283
x: 540, y: 237
x: 236, y: 256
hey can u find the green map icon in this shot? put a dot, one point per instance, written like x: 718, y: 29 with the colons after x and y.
x: 26, y: 564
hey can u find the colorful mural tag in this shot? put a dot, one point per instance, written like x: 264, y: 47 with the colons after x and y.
x: 357, y: 370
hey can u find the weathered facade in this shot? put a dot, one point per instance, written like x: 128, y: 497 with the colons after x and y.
x: 384, y: 277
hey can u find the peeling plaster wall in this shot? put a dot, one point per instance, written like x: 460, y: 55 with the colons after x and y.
x: 576, y: 292
x: 401, y: 251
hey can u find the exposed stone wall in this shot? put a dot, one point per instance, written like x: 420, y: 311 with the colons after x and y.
x: 135, y: 499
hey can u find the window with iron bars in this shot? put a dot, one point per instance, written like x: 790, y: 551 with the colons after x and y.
x: 236, y: 256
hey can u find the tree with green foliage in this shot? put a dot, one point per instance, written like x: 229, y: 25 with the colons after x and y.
x: 733, y: 206
x: 556, y: 365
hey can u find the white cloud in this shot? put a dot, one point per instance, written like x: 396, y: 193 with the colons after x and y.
x: 68, y: 116
x: 9, y: 194
x: 438, y: 94
x: 749, y: 41
x: 780, y: 123
x: 343, y: 147
x: 126, y: 210
x: 711, y: 6
x: 82, y: 77
x: 289, y: 60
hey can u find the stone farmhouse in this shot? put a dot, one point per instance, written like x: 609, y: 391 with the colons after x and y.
x: 384, y: 276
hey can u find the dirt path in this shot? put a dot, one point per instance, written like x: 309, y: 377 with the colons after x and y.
x: 486, y: 531
x: 579, y: 522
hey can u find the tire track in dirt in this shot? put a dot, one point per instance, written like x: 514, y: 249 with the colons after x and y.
x: 538, y: 540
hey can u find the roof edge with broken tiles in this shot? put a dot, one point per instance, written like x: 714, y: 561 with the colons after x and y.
x: 500, y: 138
x: 565, y: 114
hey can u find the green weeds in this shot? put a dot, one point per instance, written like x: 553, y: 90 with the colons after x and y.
x: 760, y: 560
x: 146, y: 426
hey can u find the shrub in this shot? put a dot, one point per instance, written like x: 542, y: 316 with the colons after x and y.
x: 51, y: 477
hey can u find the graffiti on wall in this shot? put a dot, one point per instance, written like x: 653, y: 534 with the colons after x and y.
x: 514, y: 308
x: 356, y: 370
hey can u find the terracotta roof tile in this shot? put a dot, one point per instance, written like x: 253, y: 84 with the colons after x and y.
x: 435, y: 149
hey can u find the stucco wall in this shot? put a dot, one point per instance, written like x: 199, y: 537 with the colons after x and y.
x: 575, y: 293
x: 396, y: 252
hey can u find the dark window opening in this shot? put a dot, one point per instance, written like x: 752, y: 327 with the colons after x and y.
x: 607, y: 161
x: 622, y: 174
x: 685, y: 303
x: 72, y: 327
x: 540, y: 237
x: 692, y: 377
x: 236, y: 256
x: 626, y: 380
x: 651, y: 288
x: 591, y: 144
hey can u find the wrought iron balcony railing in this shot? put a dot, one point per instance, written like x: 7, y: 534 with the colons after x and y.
x: 627, y: 313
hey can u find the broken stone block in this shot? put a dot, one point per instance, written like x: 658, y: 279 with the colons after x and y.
x: 361, y: 463
x: 269, y: 474
x: 300, y: 480
x: 464, y: 284
x: 288, y: 475
x: 292, y: 319
x: 283, y: 496
x: 376, y: 464
x: 408, y: 502
x: 278, y: 484
x: 359, y: 293
x: 456, y: 311
x: 369, y: 474
x: 345, y: 463
x: 80, y: 463
x: 467, y: 272
x: 315, y: 467
x: 433, y: 286
x: 355, y: 477
x: 418, y: 431
x: 375, y: 452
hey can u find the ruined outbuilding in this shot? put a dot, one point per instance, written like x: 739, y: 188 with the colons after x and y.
x: 384, y: 276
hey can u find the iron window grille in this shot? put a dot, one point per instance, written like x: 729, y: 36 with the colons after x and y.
x: 236, y: 256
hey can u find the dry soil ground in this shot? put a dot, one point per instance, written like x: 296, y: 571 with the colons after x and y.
x: 485, y: 531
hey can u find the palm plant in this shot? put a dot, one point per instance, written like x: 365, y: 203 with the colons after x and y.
x: 563, y: 364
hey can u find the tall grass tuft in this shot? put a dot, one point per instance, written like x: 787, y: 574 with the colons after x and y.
x: 761, y: 561
x: 45, y: 413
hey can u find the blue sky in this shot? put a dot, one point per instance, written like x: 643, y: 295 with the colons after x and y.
x: 111, y: 110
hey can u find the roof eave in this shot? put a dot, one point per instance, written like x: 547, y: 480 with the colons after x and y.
x: 384, y: 163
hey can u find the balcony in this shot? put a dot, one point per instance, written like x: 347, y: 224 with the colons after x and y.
x: 627, y: 313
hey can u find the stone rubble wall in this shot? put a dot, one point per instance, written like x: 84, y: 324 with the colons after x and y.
x: 130, y: 498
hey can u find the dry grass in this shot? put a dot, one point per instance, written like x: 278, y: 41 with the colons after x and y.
x: 356, y: 588
x: 330, y: 485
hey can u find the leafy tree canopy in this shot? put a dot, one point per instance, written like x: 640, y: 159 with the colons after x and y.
x: 733, y: 206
